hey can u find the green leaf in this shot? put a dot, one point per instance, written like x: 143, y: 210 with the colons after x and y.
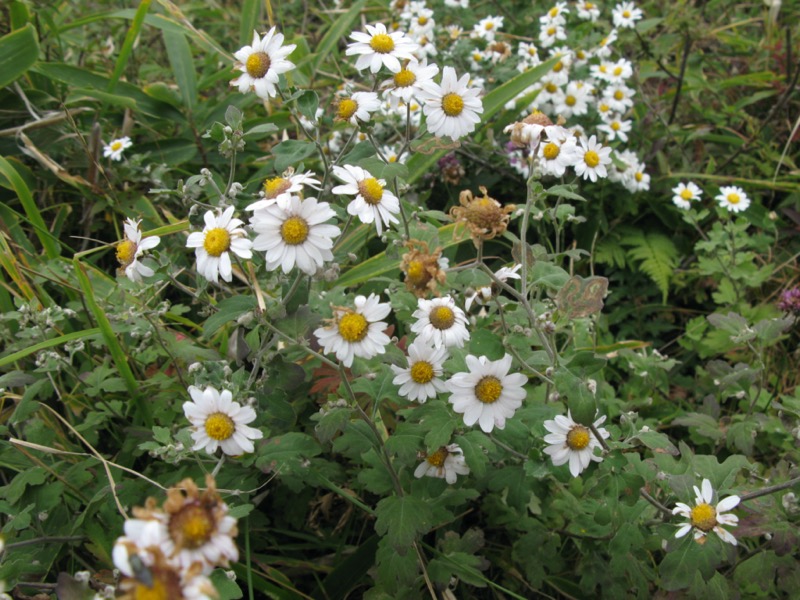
x: 291, y: 152
x: 657, y: 442
x: 656, y: 254
x: 251, y: 13
x: 229, y: 309
x: 182, y: 63
x: 475, y: 445
x: 579, y: 398
x: 286, y: 452
x: 308, y: 103
x: 19, y: 50
x: 678, y: 568
x: 127, y: 45
x: 336, y: 32
x: 227, y: 589
x: 402, y: 519
x: 495, y: 100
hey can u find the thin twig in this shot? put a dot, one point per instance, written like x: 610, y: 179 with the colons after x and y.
x: 599, y: 438
x: 654, y: 502
x: 687, y: 44
x: 769, y: 490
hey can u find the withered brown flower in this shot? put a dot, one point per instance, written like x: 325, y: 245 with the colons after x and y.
x: 485, y: 216
x: 421, y: 268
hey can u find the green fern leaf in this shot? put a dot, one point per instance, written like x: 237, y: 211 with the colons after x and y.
x: 654, y: 254
x: 608, y: 251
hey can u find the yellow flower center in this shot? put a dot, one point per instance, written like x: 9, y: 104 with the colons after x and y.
x: 276, y: 186
x: 578, y: 438
x: 404, y: 78
x: 551, y: 31
x: 686, y: 194
x: 437, y: 458
x: 618, y: 95
x: 580, y: 54
x: 704, y: 517
x: 734, y: 198
x: 558, y: 66
x: 603, y: 69
x: 353, y: 327
x: 217, y: 241
x: 489, y: 389
x: 294, y: 231
x: 604, y: 108
x: 422, y: 20
x: 219, y: 426
x: 617, y: 71
x: 551, y: 151
x: 591, y: 158
x: 638, y: 176
x: 570, y: 100
x: 157, y: 592
x: 371, y: 190
x: 626, y: 14
x: 551, y: 88
x: 126, y: 251
x: 258, y: 64
x: 553, y: 12
x: 615, y: 125
x: 416, y: 272
x: 588, y: 6
x: 489, y: 26
x: 117, y: 145
x: 191, y: 527
x: 452, y: 105
x: 422, y: 372
x: 346, y: 109
x: 382, y: 43
x: 442, y: 317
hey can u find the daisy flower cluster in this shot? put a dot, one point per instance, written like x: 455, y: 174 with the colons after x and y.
x: 169, y: 551
x: 731, y: 198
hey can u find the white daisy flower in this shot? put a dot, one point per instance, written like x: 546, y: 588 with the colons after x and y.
x: 487, y: 28
x: 603, y: 49
x: 592, y: 159
x: 289, y: 183
x: 221, y: 235
x: 261, y: 63
x: 457, y: 3
x: 619, y: 97
x: 487, y: 394
x: 452, y: 109
x: 625, y: 15
x: 732, y: 198
x: 358, y: 107
x: 131, y: 249
x: 529, y: 54
x: 573, y: 443
x: 704, y: 517
x: 446, y: 463
x: 373, y: 202
x: 560, y: 151
x: 219, y: 422
x: 485, y: 293
x: 440, y: 322
x: 588, y: 10
x: 293, y: 231
x: 411, y: 80
x: 615, y: 128
x: 574, y: 100
x: 635, y: 179
x: 619, y: 71
x: 356, y: 332
x: 557, y: 14
x: 421, y: 379
x: 685, y: 194
x: 379, y: 48
x: 115, y: 148
x: 551, y: 33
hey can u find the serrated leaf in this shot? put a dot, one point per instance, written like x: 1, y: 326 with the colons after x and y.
x: 678, y: 568
x: 402, y: 519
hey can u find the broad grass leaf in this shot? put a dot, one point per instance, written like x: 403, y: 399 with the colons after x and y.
x: 19, y: 50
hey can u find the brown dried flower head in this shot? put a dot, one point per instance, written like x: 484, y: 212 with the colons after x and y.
x: 421, y: 268
x: 524, y: 132
x: 485, y: 216
x: 161, y: 580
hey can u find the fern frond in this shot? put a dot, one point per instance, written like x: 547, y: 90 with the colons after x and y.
x: 654, y: 254
x: 608, y: 251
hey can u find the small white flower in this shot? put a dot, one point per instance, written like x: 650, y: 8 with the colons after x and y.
x: 588, y: 10
x: 704, y: 517
x: 293, y: 232
x: 411, y: 80
x: 261, y: 63
x: 356, y: 332
x: 551, y: 33
x: 685, y: 194
x: 358, y: 107
x: 220, y: 236
x: 219, y: 422
x: 446, y: 463
x: 487, y: 28
x: 378, y: 48
x: 615, y: 128
x: 131, y: 249
x: 592, y: 159
x: 635, y: 179
x: 421, y: 379
x: 560, y: 151
x: 453, y: 108
x: 625, y: 15
x: 487, y: 394
x: 619, y: 97
x: 373, y: 203
x: 573, y: 443
x: 115, y: 148
x: 484, y: 293
x: 574, y: 100
x: 440, y: 322
x: 732, y: 198
x: 289, y: 183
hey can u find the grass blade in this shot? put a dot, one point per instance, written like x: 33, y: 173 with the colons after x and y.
x: 182, y: 63
x: 251, y: 16
x: 127, y: 46
x: 56, y: 341
x: 19, y: 50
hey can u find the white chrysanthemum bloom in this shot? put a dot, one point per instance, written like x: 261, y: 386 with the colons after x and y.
x: 560, y: 151
x: 551, y: 33
x: 219, y: 422
x: 487, y: 394
x: 373, y: 202
x: 485, y: 293
x: 616, y: 128
x: 457, y: 3
x: 131, y: 249
x: 588, y: 10
x: 378, y: 48
x: 221, y: 236
x: 446, y: 463
x: 620, y: 71
x: 358, y: 107
x: 704, y: 517
x: 592, y: 159
x: 573, y: 443
x: 604, y: 49
x: 685, y: 194
x: 411, y: 80
x: 356, y: 332
x: 556, y: 14
x: 440, y: 322
x: 289, y: 183
x: 487, y: 28
x: 421, y: 379
x: 604, y: 110
x: 453, y: 108
x: 529, y: 54
x: 619, y: 97
x: 732, y: 198
x: 115, y: 148
x: 261, y: 64
x: 635, y: 179
x: 422, y: 25
x: 390, y: 154
x: 574, y: 100
x: 625, y: 15
x: 294, y: 231
x: 629, y: 162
